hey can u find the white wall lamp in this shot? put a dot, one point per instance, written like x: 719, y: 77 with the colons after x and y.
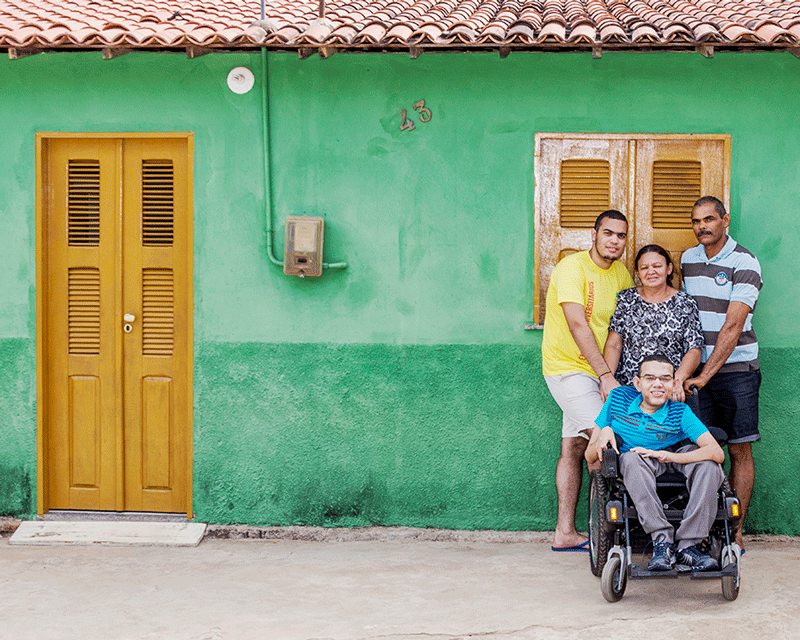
x: 241, y: 80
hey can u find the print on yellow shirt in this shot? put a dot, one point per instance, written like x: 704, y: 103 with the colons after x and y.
x: 578, y: 279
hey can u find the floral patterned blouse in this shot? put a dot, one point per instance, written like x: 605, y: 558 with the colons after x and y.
x: 671, y: 327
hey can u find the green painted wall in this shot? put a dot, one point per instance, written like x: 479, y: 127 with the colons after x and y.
x: 372, y: 433
x: 403, y: 390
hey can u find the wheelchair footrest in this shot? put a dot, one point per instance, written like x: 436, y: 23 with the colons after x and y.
x: 730, y: 570
x: 636, y: 572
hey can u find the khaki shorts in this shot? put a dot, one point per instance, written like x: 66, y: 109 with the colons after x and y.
x: 578, y: 395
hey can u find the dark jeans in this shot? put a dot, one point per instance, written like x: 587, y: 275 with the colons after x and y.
x: 730, y: 401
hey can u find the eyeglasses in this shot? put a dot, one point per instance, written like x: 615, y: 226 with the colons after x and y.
x: 651, y: 378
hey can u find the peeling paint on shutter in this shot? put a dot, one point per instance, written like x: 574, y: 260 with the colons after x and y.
x: 158, y: 315
x: 585, y: 191
x: 158, y: 202
x: 84, y: 310
x: 83, y: 202
x: 676, y: 187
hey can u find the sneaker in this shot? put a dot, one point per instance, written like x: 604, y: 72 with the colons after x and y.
x: 696, y: 559
x: 663, y: 557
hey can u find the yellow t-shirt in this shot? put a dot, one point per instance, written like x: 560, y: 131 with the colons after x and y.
x: 577, y: 278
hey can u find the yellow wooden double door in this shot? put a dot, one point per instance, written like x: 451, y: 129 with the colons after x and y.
x: 114, y: 322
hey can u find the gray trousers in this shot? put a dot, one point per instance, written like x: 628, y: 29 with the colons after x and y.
x: 703, y: 480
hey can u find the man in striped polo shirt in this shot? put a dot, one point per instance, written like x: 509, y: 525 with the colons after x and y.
x: 652, y: 428
x: 724, y: 279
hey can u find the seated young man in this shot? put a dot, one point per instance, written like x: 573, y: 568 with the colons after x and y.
x: 649, y: 422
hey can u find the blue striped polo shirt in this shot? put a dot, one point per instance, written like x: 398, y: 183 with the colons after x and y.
x: 669, y: 425
x: 734, y: 274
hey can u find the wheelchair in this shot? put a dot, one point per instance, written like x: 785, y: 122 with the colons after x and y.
x: 615, y: 533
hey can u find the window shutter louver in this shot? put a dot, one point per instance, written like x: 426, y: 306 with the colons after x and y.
x: 585, y: 191
x: 83, y: 202
x: 677, y: 185
x: 83, y: 310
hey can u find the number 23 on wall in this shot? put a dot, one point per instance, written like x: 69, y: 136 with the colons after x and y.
x: 425, y: 115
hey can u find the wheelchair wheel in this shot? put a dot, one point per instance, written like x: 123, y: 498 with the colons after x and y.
x: 599, y: 536
x: 609, y: 581
x: 730, y: 590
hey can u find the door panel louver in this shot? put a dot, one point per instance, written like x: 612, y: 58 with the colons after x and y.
x: 84, y: 310
x: 585, y: 191
x: 158, y: 315
x: 158, y: 206
x: 676, y: 187
x: 83, y: 202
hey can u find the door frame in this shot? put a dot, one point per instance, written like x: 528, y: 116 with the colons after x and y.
x: 42, y: 139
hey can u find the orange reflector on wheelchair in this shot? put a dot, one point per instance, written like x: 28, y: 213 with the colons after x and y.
x: 733, y: 507
x: 614, y: 511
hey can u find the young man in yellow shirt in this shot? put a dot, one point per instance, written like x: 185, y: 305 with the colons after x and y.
x: 581, y: 299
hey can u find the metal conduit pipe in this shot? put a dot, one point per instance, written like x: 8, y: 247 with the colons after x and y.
x: 267, y: 160
x: 267, y: 170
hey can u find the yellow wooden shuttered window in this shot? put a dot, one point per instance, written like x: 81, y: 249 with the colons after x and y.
x: 158, y: 315
x: 83, y: 202
x: 585, y: 191
x: 654, y: 179
x: 84, y: 310
x: 158, y: 202
x: 676, y: 187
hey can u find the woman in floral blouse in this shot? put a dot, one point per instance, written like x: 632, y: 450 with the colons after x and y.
x: 654, y: 318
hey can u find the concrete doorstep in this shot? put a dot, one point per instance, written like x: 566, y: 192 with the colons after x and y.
x: 149, y: 534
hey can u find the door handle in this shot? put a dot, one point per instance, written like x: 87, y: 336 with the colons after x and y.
x: 128, y: 318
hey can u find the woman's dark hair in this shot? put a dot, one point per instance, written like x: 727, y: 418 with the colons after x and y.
x: 655, y: 248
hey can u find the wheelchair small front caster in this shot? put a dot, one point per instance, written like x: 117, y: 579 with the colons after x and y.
x: 730, y: 584
x: 614, y: 579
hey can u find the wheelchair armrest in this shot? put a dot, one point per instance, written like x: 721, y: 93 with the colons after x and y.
x: 610, y: 464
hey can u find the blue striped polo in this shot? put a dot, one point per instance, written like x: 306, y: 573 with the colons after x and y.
x: 669, y: 425
x: 734, y: 274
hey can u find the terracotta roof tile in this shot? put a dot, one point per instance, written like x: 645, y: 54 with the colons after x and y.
x: 770, y: 32
x: 428, y: 32
x: 372, y: 34
x: 553, y: 31
x: 736, y: 33
x: 645, y: 33
x: 583, y: 33
x: 677, y: 33
x: 399, y: 34
x: 521, y: 33
x: 613, y: 34
x: 494, y: 33
x: 393, y: 24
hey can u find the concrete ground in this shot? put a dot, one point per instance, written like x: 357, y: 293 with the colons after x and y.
x: 399, y: 584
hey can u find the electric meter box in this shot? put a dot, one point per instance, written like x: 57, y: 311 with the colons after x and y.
x: 302, y: 253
